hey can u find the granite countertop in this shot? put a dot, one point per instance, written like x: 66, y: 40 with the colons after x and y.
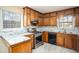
x: 14, y: 39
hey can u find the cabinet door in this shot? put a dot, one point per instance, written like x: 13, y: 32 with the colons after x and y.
x: 45, y: 37
x: 40, y: 22
x: 69, y: 12
x: 32, y: 15
x: 60, y: 39
x: 60, y: 15
x: 69, y: 42
x: 28, y: 19
x: 77, y: 20
x: 24, y: 17
x: 28, y: 16
x: 23, y: 47
x: 28, y: 10
x: 46, y: 21
x: 77, y: 10
x: 53, y: 14
x: 53, y: 21
x: 36, y: 15
x: 78, y: 44
x: 33, y: 39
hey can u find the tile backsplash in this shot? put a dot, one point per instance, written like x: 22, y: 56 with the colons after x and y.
x: 56, y: 29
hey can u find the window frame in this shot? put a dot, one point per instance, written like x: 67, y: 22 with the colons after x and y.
x: 19, y: 19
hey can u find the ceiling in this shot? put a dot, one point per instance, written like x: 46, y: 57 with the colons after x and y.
x: 46, y: 9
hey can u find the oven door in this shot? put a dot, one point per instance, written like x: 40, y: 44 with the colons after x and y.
x: 39, y: 41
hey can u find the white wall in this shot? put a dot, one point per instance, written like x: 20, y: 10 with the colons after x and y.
x: 16, y: 9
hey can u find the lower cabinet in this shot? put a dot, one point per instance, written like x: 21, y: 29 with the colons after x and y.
x: 32, y: 36
x: 67, y: 40
x: 23, y: 47
x: 45, y: 36
x: 78, y: 44
x: 60, y: 39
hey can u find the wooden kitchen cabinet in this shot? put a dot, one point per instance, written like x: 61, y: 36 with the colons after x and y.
x: 60, y: 39
x: 77, y: 17
x: 46, y: 21
x: 28, y: 19
x: 29, y: 15
x: 77, y: 46
x: 77, y: 10
x: 69, y: 41
x: 60, y: 15
x: 36, y: 15
x: 69, y: 11
x: 45, y: 36
x: 53, y: 21
x: 23, y: 47
x: 53, y: 14
x: 32, y: 15
x: 77, y: 20
x: 40, y: 22
x: 24, y: 17
x: 32, y: 36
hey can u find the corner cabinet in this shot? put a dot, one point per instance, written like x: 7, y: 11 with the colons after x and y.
x: 29, y: 15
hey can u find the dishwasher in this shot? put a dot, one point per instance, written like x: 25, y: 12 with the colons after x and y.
x: 52, y: 38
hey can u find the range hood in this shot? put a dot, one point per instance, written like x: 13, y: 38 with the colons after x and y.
x: 34, y: 22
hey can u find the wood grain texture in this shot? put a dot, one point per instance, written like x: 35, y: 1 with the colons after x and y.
x: 45, y: 36
x: 22, y: 47
x: 60, y: 39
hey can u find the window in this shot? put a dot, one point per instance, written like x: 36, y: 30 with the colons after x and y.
x: 11, y: 19
x: 66, y: 22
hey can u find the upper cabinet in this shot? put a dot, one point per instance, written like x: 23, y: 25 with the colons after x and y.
x: 60, y: 15
x: 25, y: 17
x: 50, y: 19
x: 77, y: 17
x: 46, y: 19
x: 32, y: 14
x: 69, y: 12
x: 53, y: 19
x: 29, y: 15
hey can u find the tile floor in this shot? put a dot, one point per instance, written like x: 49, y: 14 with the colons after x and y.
x: 49, y: 48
